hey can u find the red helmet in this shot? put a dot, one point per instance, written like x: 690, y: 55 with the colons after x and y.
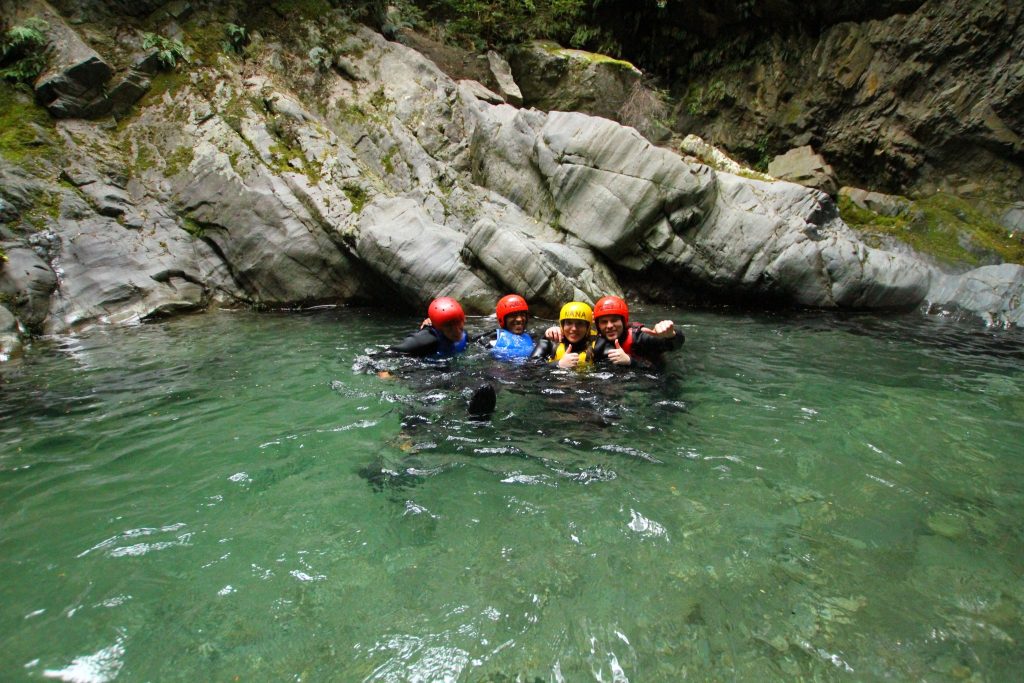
x: 444, y: 310
x: 611, y: 305
x: 510, y: 303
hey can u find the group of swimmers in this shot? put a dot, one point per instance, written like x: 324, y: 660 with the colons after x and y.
x: 584, y: 336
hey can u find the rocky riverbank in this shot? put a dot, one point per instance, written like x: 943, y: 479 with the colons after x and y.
x: 326, y: 164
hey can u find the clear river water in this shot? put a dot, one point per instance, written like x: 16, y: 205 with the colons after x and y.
x: 240, y: 497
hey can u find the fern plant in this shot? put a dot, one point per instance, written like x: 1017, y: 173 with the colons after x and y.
x: 168, y: 51
x: 23, y: 51
x: 236, y: 38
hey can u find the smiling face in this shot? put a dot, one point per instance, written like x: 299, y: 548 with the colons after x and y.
x: 452, y: 330
x: 575, y: 330
x: 610, y: 326
x: 516, y: 322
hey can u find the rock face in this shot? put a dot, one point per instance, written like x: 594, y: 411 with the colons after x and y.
x: 882, y: 204
x: 273, y: 183
x: 803, y: 166
x: 920, y: 96
x: 76, y: 83
x: 10, y: 341
x: 502, y: 73
x: 994, y: 292
x: 554, y: 78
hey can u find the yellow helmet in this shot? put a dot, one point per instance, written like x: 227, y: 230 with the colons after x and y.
x: 576, y: 310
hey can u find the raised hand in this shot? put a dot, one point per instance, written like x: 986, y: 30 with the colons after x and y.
x: 569, y: 360
x: 618, y: 356
x: 665, y: 328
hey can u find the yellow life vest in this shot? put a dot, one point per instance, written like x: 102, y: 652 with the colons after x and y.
x: 586, y: 356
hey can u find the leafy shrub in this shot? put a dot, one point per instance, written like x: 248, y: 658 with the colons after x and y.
x: 23, y: 51
x: 235, y: 38
x: 320, y: 58
x: 168, y: 50
x: 503, y: 22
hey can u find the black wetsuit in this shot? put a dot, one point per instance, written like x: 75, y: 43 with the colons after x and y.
x: 429, y: 342
x: 645, y: 349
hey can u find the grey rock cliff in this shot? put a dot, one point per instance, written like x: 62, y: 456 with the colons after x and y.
x: 272, y: 183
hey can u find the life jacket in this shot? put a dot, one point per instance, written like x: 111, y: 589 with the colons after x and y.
x: 626, y: 343
x: 509, y: 346
x: 586, y: 355
x: 447, y: 348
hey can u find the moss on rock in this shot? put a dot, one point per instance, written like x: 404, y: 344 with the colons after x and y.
x: 22, y: 126
x: 952, y: 229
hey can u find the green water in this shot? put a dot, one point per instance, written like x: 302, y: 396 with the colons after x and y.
x: 799, y: 498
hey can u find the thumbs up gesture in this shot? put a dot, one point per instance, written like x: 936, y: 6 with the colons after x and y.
x: 618, y: 356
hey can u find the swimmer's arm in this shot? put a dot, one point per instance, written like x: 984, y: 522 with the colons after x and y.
x: 419, y: 343
x: 543, y: 350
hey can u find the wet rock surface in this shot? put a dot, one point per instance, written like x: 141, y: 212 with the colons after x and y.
x: 279, y: 189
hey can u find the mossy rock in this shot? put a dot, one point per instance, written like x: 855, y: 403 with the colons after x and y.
x: 24, y: 127
x: 953, y: 230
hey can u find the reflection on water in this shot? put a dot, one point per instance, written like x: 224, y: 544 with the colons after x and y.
x: 239, y: 495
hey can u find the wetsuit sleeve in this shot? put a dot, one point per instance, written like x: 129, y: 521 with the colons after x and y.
x: 544, y: 350
x: 485, y: 339
x: 420, y: 343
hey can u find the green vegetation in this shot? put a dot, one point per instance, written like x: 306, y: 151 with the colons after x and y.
x: 480, y: 23
x: 145, y: 159
x: 179, y: 160
x: 235, y: 38
x: 320, y: 59
x: 306, y: 9
x: 289, y: 158
x: 24, y: 127
x: 763, y: 150
x: 949, y: 228
x: 193, y: 228
x: 168, y: 51
x: 23, y: 51
x: 701, y: 99
x: 388, y: 161
x: 357, y: 196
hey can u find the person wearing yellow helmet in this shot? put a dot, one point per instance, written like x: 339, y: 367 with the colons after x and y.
x: 576, y: 348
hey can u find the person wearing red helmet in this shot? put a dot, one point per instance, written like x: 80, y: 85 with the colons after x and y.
x: 442, y: 337
x: 511, y: 341
x: 623, y: 343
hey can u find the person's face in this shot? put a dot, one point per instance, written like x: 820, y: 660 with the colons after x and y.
x: 610, y: 326
x: 516, y: 322
x: 575, y: 330
x: 452, y: 330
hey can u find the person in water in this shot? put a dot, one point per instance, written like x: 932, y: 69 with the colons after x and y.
x: 625, y: 343
x: 511, y: 341
x: 442, y: 337
x: 576, y: 348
